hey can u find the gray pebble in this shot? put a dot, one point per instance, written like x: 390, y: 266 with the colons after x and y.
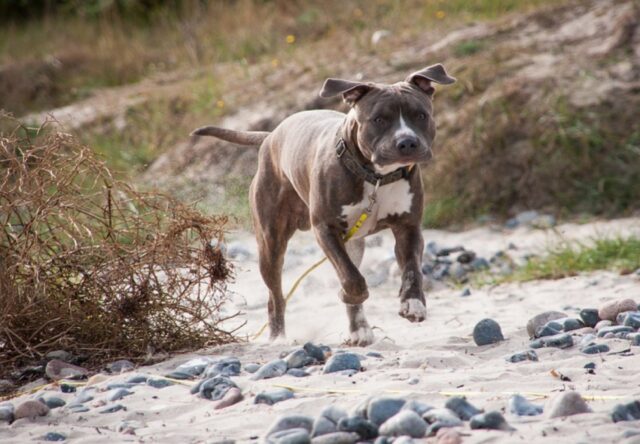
x: 567, y: 404
x: 634, y: 338
x: 53, y: 402
x: 342, y: 361
x: 317, y: 352
x: 562, y: 340
x: 461, y: 407
x: 215, y: 388
x: 6, y: 412
x: 138, y: 379
x: 298, y: 359
x: 194, y: 367
x: 549, y: 329
x: 119, y: 385
x: 297, y: 373
x: 117, y: 394
x: 328, y: 420
x: 614, y: 329
x: 364, y: 428
x: 179, y: 375
x: 159, y: 383
x: 466, y: 292
x: 491, y: 421
x: 120, y: 366
x: 62, y: 355
x: 480, y: 264
x: 112, y: 409
x: 441, y: 418
x: 375, y: 355
x: 540, y: 319
x: 595, y: 349
x: 528, y: 355
x: 291, y: 422
x: 632, y: 319
x: 589, y: 316
x: 290, y: 436
x: 54, y: 436
x: 77, y: 408
x: 271, y: 369
x: 417, y: 406
x: 487, y: 331
x: 336, y: 438
x: 626, y: 412
x: 251, y: 368
x: 83, y: 396
x: 406, y: 422
x: 223, y: 367
x: 518, y: 405
x: 273, y: 396
x: 380, y: 410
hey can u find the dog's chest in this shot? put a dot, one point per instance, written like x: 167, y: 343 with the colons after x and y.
x: 392, y: 199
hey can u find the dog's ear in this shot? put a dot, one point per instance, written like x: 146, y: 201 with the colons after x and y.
x: 351, y: 91
x: 434, y: 73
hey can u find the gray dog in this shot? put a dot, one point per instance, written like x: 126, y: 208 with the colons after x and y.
x: 324, y: 169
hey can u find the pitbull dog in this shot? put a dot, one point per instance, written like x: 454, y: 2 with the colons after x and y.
x: 319, y: 169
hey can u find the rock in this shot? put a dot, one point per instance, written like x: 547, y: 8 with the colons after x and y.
x: 61, y: 355
x: 448, y: 436
x: 273, y: 396
x: 466, y: 292
x: 626, y: 412
x: 384, y: 440
x: 569, y: 324
x: 53, y: 402
x: 541, y: 319
x: 98, y: 378
x: 549, y: 329
x: 610, y: 310
x: 567, y: 404
x: 297, y: 373
x: 67, y: 388
x: 634, y: 338
x: 57, y: 369
x: 487, y: 331
x: 271, y: 369
x: 342, y: 361
x: 180, y: 376
x: 632, y: 319
x: 84, y: 396
x: 298, y: 359
x: 614, y: 329
x: 419, y: 407
x: 480, y: 264
x: 528, y: 355
x: 602, y: 324
x: 490, y: 421
x: 380, y: 410
x: 466, y: 257
x: 128, y: 427
x: 405, y: 422
x: 6, y: 412
x: 53, y: 436
x: 364, y: 428
x: 595, y: 349
x: 112, y: 409
x: 589, y: 316
x: 336, y: 438
x: 195, y: 366
x: 328, y: 420
x: 291, y: 436
x: 118, y: 394
x: 224, y: 367
x: 544, y: 221
x: 458, y: 272
x: 159, y: 383
x: 562, y: 340
x: 291, y: 422
x: 120, y: 366
x: 251, y: 368
x: 461, y: 407
x: 233, y: 396
x: 138, y: 379
x: 319, y: 353
x: 440, y: 418
x: 78, y: 408
x: 215, y: 388
x: 30, y: 409
x: 518, y: 405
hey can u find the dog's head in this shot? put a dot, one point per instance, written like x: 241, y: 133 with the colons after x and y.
x: 392, y: 124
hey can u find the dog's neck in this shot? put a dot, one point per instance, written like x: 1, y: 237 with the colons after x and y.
x: 349, y: 133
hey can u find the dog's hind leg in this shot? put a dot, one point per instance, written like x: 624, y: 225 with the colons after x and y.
x: 359, y: 330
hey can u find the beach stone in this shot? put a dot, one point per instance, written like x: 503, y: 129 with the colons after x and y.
x: 380, y: 410
x: 271, y: 369
x: 61, y: 355
x: 112, y: 409
x: 541, y: 319
x: 290, y: 436
x: 159, y: 383
x: 626, y: 412
x: 360, y: 409
x: 589, y: 316
x: 519, y: 405
x: 610, y: 310
x: 417, y: 406
x: 562, y: 340
x: 83, y: 396
x: 215, y: 388
x: 375, y: 355
x: 117, y: 394
x: 224, y: 367
x: 602, y: 324
x: 448, y: 436
x: 233, y: 396
x: 251, y: 367
x: 180, y: 376
x: 595, y: 349
x: 405, y: 422
x: 461, y: 407
x: 119, y: 385
x: 384, y: 440
x: 317, y: 352
x: 536, y: 343
x: 53, y: 402
x: 298, y: 359
x: 458, y: 272
x: 138, y: 379
x: 614, y: 329
x: 54, y: 436
x: 30, y: 409
x: 195, y: 366
x: 632, y: 319
x: 480, y: 264
x: 6, y: 412
x: 487, y: 331
x: 342, y: 361
x: 364, y: 428
x: 440, y: 418
x: 490, y: 421
x: 98, y: 378
x: 291, y: 422
x: 549, y: 329
x: 328, y: 420
x: 528, y: 355
x: 567, y: 404
x: 78, y: 408
x: 120, y: 366
x: 297, y: 373
x: 634, y: 338
x: 57, y: 369
x: 273, y: 396
x: 466, y: 292
x: 336, y: 438
x: 569, y: 324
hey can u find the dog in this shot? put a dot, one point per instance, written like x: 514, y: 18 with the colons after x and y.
x: 322, y: 170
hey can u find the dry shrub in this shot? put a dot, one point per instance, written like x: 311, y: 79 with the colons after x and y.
x: 89, y: 265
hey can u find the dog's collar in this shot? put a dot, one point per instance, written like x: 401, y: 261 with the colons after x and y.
x: 353, y: 164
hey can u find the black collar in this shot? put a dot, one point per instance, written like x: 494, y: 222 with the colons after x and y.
x: 353, y: 164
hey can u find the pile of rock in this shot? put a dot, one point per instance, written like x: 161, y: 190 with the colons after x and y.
x: 455, y: 263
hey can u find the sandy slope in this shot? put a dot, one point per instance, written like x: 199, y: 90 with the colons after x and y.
x: 439, y: 352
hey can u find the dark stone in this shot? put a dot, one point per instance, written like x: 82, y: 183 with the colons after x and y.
x: 328, y: 420
x: 364, y: 428
x: 466, y: 292
x: 461, y: 407
x: 487, y: 331
x: 562, y: 340
x: 381, y: 409
x: 54, y: 436
x: 297, y: 373
x: 315, y: 351
x: 480, y: 264
x: 404, y: 423
x: 589, y: 316
x: 529, y: 355
x: 626, y: 412
x: 271, y: 369
x: 53, y: 402
x: 159, y: 383
x: 298, y: 359
x: 215, y: 388
x: 570, y: 324
x: 466, y: 257
x: 491, y: 421
x: 632, y: 319
x: 179, y: 375
x: 273, y: 396
x: 590, y: 365
x: 614, y: 329
x: 518, y: 405
x: 138, y: 379
x: 549, y: 329
x: 342, y: 361
x: 595, y: 349
x: 536, y: 343
x: 112, y: 409
x: 224, y: 367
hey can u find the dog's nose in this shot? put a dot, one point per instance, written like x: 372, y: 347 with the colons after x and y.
x: 407, y: 144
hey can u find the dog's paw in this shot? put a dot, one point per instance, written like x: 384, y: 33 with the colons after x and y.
x: 413, y: 310
x: 362, y: 337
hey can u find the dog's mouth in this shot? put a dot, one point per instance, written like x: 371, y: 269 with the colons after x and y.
x: 383, y: 162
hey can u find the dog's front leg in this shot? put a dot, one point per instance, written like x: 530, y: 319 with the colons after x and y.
x: 409, y: 246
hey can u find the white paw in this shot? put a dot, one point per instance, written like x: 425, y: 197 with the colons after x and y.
x: 362, y: 337
x: 413, y: 310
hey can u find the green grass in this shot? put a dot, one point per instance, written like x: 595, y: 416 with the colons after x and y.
x: 618, y: 254
x: 468, y: 47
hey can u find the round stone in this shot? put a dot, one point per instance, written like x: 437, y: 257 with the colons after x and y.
x: 487, y: 331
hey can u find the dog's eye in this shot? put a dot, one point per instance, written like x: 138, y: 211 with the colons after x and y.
x: 379, y: 120
x: 422, y: 116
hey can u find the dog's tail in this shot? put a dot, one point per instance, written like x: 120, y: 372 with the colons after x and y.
x: 239, y: 137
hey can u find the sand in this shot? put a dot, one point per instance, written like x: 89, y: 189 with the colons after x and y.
x: 439, y: 353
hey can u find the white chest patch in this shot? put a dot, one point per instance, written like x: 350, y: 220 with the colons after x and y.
x: 393, y: 199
